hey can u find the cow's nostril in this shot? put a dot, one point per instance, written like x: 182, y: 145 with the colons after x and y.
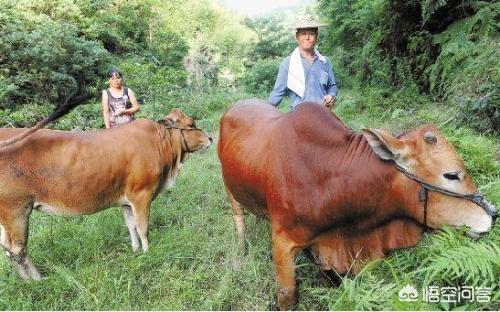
x: 210, y: 138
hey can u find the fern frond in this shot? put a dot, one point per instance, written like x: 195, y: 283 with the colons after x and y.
x: 431, y: 6
x: 453, y: 262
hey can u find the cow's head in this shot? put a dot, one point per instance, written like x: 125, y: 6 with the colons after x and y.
x: 193, y: 137
x: 426, y: 154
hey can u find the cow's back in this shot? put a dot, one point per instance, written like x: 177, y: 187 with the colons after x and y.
x: 83, y: 170
x: 266, y: 154
x: 297, y: 166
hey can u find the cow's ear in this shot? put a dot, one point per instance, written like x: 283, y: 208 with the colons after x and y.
x: 167, y: 122
x: 172, y: 118
x: 176, y: 113
x: 384, y: 144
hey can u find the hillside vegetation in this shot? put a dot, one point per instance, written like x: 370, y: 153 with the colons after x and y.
x: 399, y: 64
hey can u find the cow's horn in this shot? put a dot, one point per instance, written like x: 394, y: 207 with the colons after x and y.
x: 430, y: 137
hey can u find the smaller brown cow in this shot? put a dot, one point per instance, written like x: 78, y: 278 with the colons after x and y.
x: 83, y: 172
x: 343, y: 196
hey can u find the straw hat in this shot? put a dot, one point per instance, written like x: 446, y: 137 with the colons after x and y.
x: 308, y: 22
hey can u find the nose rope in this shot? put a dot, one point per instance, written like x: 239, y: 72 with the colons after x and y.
x: 476, y: 197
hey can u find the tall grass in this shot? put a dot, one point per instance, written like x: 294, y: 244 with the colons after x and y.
x: 194, y: 262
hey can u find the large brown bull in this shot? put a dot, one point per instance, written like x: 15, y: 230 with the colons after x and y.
x: 83, y: 172
x: 342, y: 195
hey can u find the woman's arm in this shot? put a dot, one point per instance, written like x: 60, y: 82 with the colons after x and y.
x: 135, y: 105
x: 105, y: 109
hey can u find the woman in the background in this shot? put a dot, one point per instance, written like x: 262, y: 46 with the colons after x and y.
x: 118, y: 102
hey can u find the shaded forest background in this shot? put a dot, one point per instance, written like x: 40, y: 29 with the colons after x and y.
x: 443, y: 50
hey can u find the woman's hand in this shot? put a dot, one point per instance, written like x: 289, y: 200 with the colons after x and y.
x: 120, y: 111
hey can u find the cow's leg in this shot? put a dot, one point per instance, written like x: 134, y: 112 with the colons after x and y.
x: 238, y: 218
x: 4, y: 238
x: 14, y: 240
x: 130, y: 222
x: 5, y: 241
x: 284, y: 252
x: 141, y: 204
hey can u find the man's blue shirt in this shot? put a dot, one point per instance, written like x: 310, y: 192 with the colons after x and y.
x: 319, y: 77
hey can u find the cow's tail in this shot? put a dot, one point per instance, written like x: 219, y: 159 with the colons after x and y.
x: 71, y: 102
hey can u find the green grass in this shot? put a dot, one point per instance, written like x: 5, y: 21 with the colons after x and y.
x: 194, y: 262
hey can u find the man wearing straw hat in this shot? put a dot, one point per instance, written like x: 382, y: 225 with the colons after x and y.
x: 305, y: 74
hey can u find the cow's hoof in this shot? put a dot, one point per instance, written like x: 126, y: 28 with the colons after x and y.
x: 34, y: 275
x: 273, y: 305
x: 242, y: 247
x: 285, y: 300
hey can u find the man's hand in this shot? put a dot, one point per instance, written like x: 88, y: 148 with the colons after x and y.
x: 329, y: 101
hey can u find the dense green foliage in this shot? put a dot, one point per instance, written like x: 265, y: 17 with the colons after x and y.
x: 447, y: 48
x: 43, y: 59
x: 49, y: 47
x: 399, y: 64
x: 262, y: 75
x: 275, y: 41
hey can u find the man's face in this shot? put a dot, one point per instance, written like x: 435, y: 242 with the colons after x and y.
x: 306, y: 38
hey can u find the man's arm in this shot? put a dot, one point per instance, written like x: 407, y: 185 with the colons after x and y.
x: 331, y: 87
x: 332, y: 84
x: 279, y: 89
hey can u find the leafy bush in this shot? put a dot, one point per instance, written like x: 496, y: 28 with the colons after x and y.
x: 261, y: 76
x: 467, y: 69
x: 447, y: 48
x: 44, y: 60
x: 218, y: 40
x: 360, y: 28
x: 149, y: 80
x: 25, y: 116
x: 275, y: 38
x: 84, y: 117
x: 169, y: 49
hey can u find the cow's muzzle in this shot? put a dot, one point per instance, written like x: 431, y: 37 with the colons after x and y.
x: 488, y: 207
x: 475, y: 197
x: 490, y: 210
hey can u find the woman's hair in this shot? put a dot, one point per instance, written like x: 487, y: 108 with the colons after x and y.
x: 115, y: 71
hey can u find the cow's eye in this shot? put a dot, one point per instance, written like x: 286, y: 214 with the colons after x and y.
x: 452, y: 175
